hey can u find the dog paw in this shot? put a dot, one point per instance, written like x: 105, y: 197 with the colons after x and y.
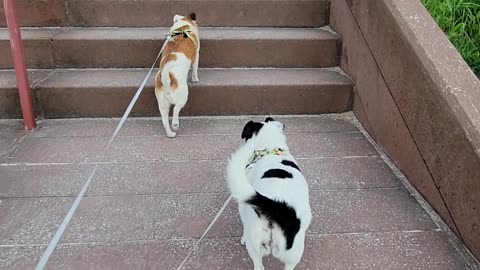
x: 171, y: 134
x: 195, y: 79
x: 242, y: 241
x: 175, y: 126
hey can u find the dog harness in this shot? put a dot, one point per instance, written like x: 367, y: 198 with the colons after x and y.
x: 258, y: 154
x: 184, y: 33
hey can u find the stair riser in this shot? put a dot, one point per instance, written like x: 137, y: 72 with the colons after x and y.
x: 289, y: 13
x: 228, y: 100
x: 38, y: 54
x: 140, y: 53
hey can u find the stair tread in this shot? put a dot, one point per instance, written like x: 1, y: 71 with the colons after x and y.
x: 208, y: 77
x: 159, y: 33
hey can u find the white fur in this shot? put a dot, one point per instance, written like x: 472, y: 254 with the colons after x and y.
x: 179, y: 68
x: 260, y: 239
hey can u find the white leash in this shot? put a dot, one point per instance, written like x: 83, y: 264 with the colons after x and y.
x: 206, y: 231
x: 58, y: 234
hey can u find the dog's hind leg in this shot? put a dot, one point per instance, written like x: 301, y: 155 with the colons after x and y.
x: 164, y: 107
x: 293, y: 256
x: 255, y: 253
x: 241, y: 209
x: 195, y: 67
x: 176, y: 112
x: 181, y: 97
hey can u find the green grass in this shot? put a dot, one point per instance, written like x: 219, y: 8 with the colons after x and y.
x: 460, y: 20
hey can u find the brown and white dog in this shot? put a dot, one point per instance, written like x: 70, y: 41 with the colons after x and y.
x: 180, y: 53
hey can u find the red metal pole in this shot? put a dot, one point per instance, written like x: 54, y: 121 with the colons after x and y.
x: 18, y: 57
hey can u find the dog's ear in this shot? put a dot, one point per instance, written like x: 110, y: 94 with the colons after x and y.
x: 177, y: 18
x: 250, y: 129
x: 269, y: 119
x: 193, y: 16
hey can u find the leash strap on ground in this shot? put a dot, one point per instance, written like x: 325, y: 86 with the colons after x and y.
x: 205, y: 232
x: 58, y: 234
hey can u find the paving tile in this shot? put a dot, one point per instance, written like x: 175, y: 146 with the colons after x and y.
x: 372, y: 210
x: 349, y: 173
x: 20, y: 257
x: 11, y: 129
x: 43, y: 180
x: 68, y: 149
x: 208, y: 176
x: 347, y: 211
x: 159, y: 177
x: 388, y: 251
x: 214, y: 147
x: 83, y: 149
x: 127, y: 218
x: 330, y: 145
x: 220, y: 147
x: 5, y: 146
x: 123, y: 255
x: 31, y: 220
x: 189, y: 125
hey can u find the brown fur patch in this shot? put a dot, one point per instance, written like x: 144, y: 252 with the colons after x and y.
x: 173, y: 81
x: 183, y: 45
x: 163, y: 62
x: 178, y: 44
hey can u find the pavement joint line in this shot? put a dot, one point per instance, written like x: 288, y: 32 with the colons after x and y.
x: 340, y: 116
x: 60, y: 231
x: 364, y: 189
x: 139, y: 241
x: 456, y: 242
x: 13, y: 164
x: 188, y: 135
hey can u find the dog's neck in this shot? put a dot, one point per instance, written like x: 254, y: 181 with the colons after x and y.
x: 269, y: 139
x: 182, y: 23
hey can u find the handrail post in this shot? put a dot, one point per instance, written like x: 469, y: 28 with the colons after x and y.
x: 20, y: 66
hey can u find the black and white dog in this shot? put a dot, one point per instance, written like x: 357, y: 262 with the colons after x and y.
x: 272, y: 195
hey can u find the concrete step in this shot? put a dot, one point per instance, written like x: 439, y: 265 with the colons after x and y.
x: 137, y: 47
x: 284, y: 13
x: 107, y: 92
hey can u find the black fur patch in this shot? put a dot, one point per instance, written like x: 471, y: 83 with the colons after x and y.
x: 250, y: 129
x: 193, y: 16
x: 290, y: 163
x: 279, y: 213
x: 268, y: 119
x: 277, y: 173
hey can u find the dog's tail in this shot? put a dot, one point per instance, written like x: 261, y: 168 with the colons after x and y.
x: 237, y: 180
x: 241, y: 189
x: 167, y: 78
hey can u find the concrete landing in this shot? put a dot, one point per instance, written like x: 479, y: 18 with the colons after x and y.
x: 152, y: 197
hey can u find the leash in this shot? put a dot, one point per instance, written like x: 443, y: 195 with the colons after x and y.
x: 60, y: 231
x: 205, y: 232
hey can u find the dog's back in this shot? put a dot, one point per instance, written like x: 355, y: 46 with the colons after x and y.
x: 272, y: 194
x: 287, y: 188
x: 180, y: 52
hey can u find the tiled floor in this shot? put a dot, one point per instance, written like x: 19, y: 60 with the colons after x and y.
x: 152, y: 197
